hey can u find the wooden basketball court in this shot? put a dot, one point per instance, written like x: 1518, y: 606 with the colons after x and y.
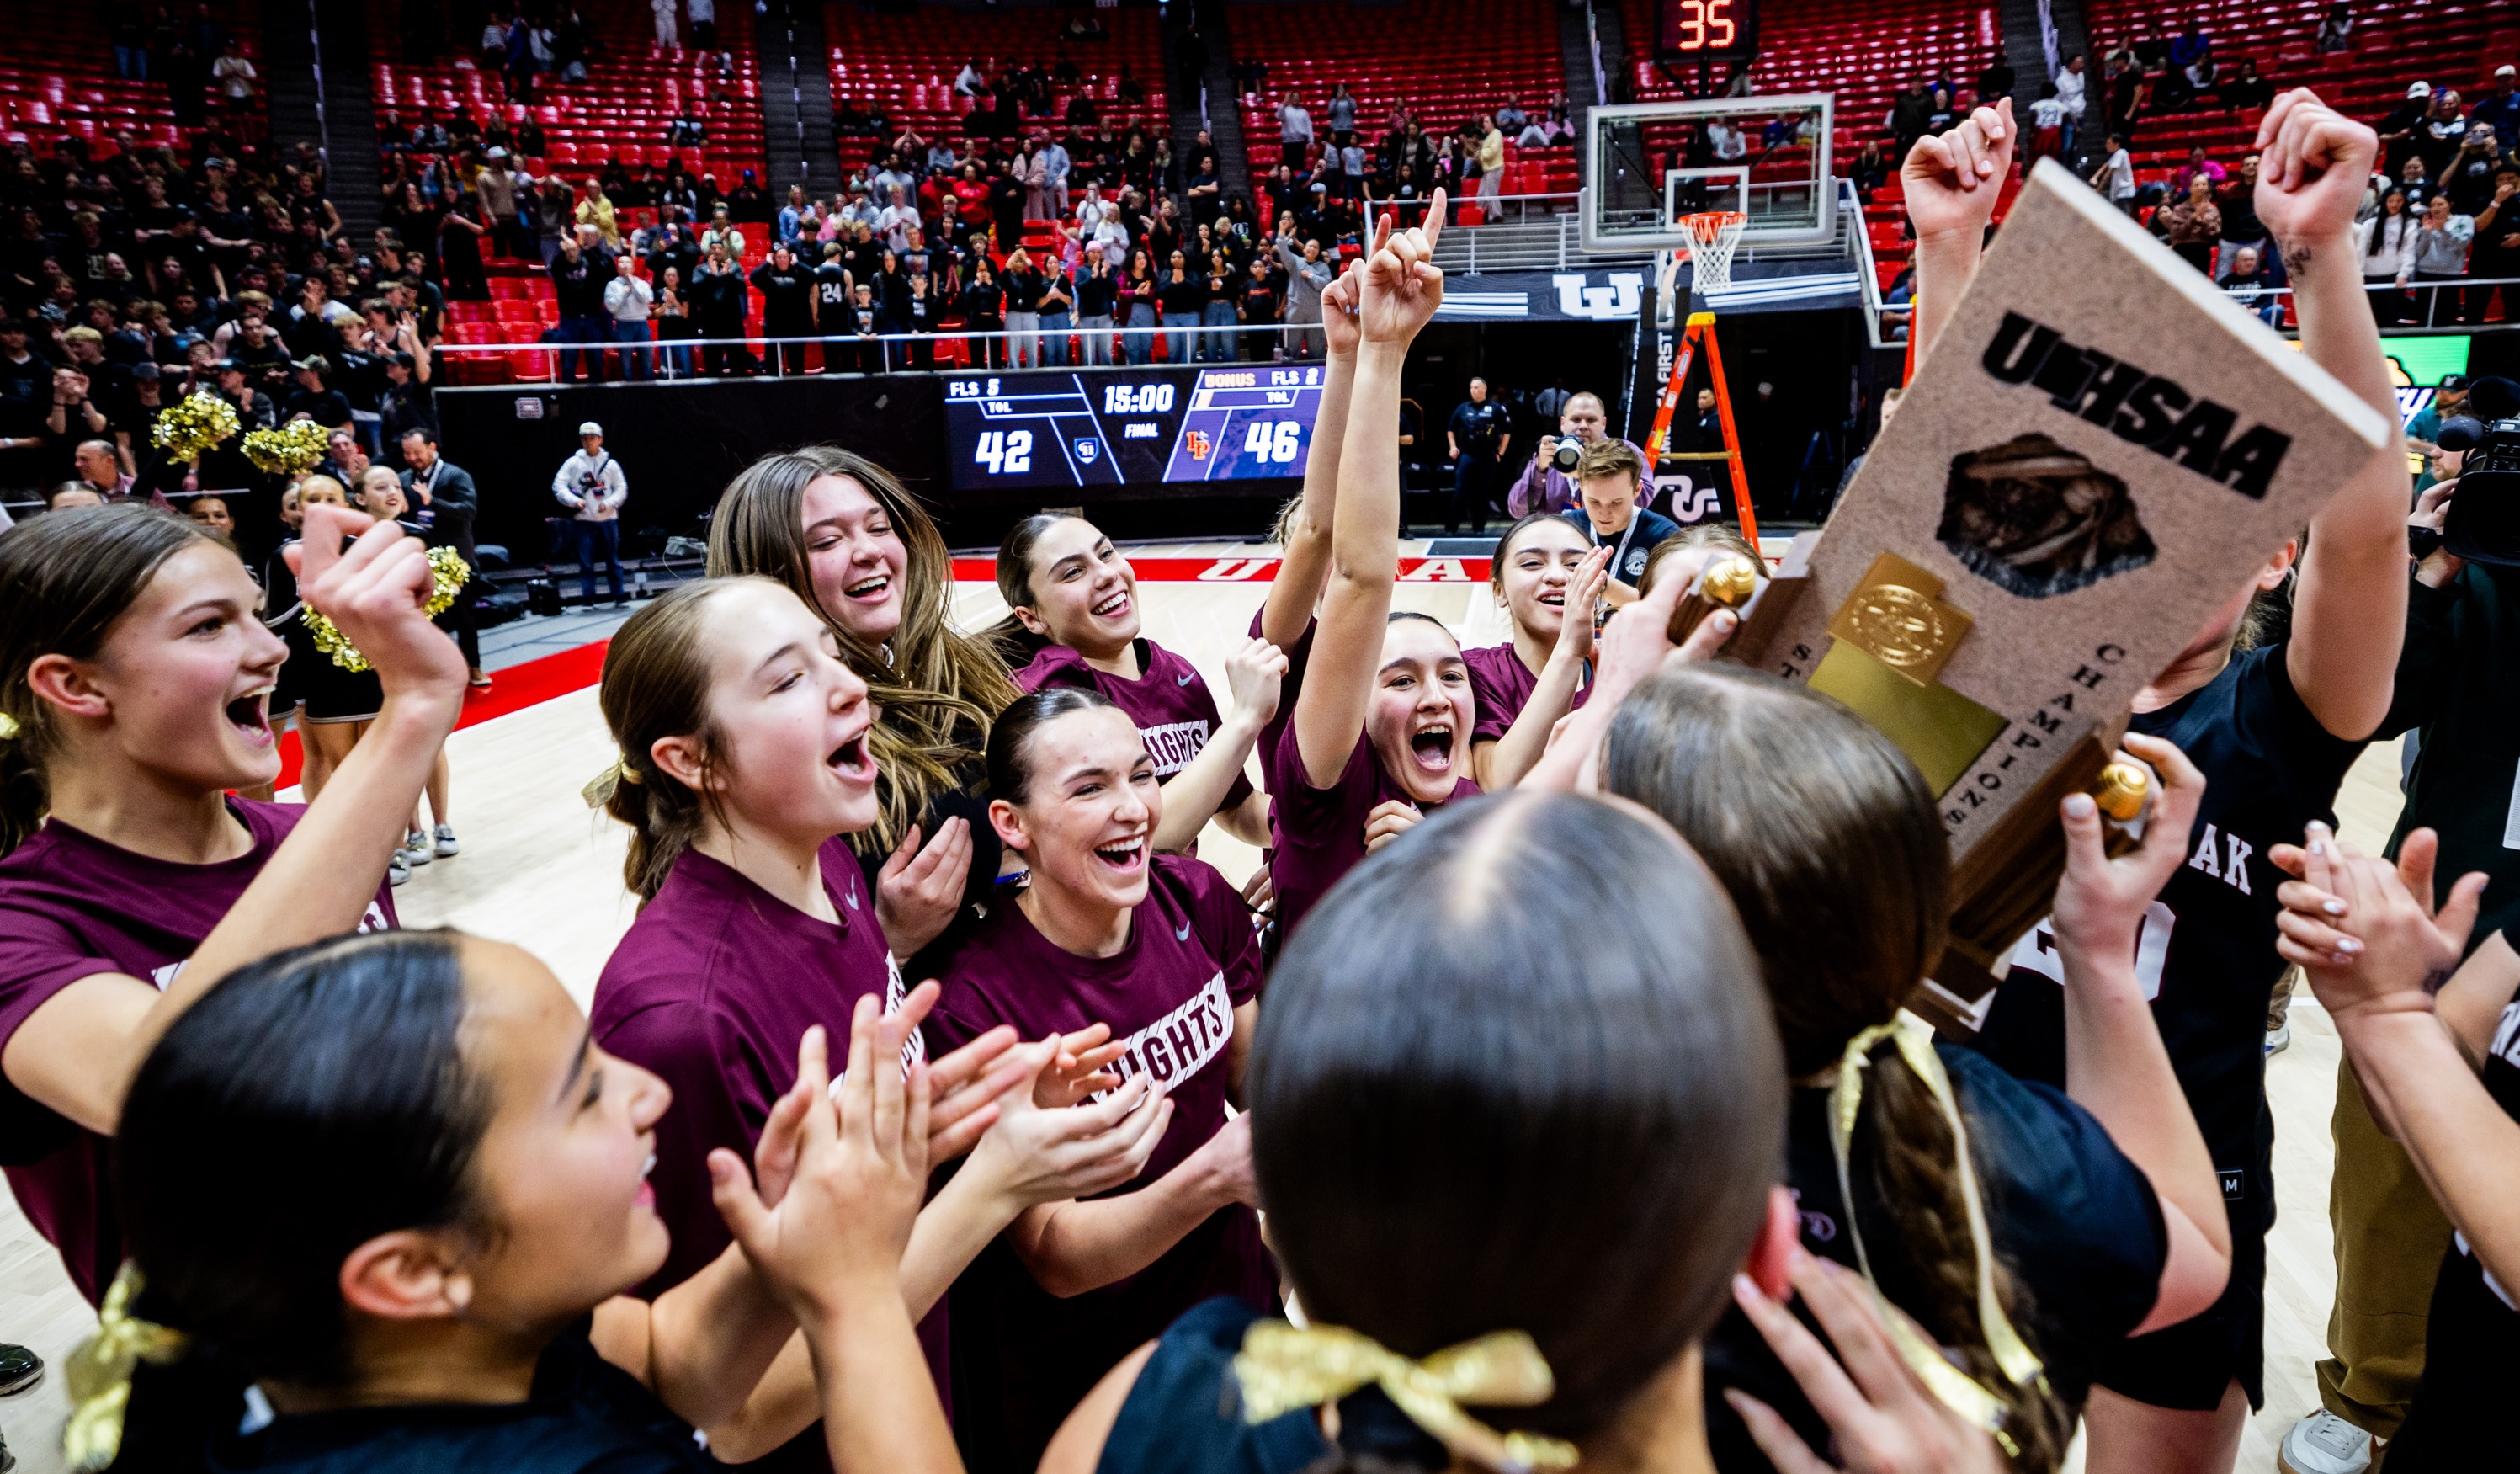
x: 542, y: 871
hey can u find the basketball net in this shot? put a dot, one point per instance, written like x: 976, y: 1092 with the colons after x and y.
x: 1718, y: 233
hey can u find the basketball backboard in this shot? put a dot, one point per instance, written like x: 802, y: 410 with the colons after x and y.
x: 1647, y: 164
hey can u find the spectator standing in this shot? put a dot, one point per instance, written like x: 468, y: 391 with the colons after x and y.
x: 1022, y: 284
x: 1259, y: 309
x: 1218, y: 317
x: 2197, y: 163
x: 591, y: 485
x: 835, y: 298
x: 445, y: 491
x: 626, y: 301
x: 1184, y: 296
x: 1478, y: 434
x: 705, y: 23
x: 671, y: 317
x: 501, y: 187
x: 1307, y: 273
x: 669, y: 30
x: 2495, y: 254
x: 2073, y: 94
x: 552, y: 214
x: 2046, y: 125
x: 2336, y: 31
x: 2500, y: 108
x: 1295, y: 130
x: 2440, y: 254
x: 1097, y: 295
x: 596, y: 209
x: 2400, y: 129
x: 235, y: 76
x: 2197, y: 223
x: 1137, y: 296
x: 2468, y: 177
x: 1056, y: 311
x: 2386, y: 241
x: 718, y: 300
x: 2115, y: 177
x: 787, y: 307
x: 2237, y: 198
x: 577, y: 278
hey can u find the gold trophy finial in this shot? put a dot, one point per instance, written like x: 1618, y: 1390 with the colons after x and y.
x: 1731, y: 581
x: 2121, y: 789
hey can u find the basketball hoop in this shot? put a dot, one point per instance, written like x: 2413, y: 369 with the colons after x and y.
x: 1717, y: 233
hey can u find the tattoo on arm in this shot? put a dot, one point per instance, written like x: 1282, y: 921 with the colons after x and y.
x: 2296, y: 257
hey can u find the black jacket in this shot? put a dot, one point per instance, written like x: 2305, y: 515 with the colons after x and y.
x: 454, y: 501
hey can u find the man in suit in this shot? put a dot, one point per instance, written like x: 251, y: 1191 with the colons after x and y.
x: 446, y: 489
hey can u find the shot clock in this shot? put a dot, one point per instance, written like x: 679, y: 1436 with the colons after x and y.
x: 1056, y: 429
x: 1708, y: 30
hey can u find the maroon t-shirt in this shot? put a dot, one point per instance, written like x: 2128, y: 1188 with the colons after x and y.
x: 1170, y: 702
x: 1500, y: 687
x: 72, y: 906
x: 1023, y: 1357
x: 711, y: 989
x: 1316, y: 835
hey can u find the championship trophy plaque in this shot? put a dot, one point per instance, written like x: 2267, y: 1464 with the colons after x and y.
x: 2093, y: 459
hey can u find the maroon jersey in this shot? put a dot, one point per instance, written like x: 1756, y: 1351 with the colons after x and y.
x: 1316, y: 835
x: 1500, y: 687
x: 72, y: 906
x: 1170, y: 702
x: 1023, y: 1357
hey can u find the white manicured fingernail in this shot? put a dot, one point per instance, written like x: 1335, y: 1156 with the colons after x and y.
x: 2349, y: 946
x: 2334, y: 907
x: 2318, y: 847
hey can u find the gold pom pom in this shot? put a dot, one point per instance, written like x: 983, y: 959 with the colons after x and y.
x: 293, y: 449
x: 450, y: 572
x: 196, y: 424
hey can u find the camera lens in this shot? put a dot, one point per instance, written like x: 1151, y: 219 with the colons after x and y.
x: 1567, y: 457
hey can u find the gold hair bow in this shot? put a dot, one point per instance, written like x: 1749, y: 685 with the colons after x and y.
x: 8, y: 728
x: 599, y: 789
x: 1282, y: 1368
x: 1955, y: 1388
x: 100, y: 1374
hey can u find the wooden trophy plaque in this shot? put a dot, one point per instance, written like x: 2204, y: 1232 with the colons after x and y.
x: 2093, y: 459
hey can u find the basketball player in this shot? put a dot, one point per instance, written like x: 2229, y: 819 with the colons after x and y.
x: 1549, y: 579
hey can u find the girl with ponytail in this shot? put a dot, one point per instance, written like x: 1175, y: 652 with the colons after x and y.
x: 134, y: 687
x: 747, y: 768
x: 1066, y: 584
x: 864, y: 555
x: 1511, y: 1200
x: 2027, y: 1230
x: 387, y: 1201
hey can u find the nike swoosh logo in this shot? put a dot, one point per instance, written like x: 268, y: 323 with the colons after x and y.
x: 852, y: 898
x: 1186, y: 680
x: 1181, y: 935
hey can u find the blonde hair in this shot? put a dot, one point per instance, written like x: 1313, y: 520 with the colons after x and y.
x: 320, y: 483
x: 1722, y: 537
x: 657, y: 684
x: 938, y: 689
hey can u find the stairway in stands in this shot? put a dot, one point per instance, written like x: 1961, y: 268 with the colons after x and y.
x: 1211, y: 104
x: 324, y: 100
x: 796, y: 100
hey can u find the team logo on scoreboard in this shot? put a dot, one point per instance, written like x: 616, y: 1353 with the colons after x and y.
x: 1088, y: 449
x: 1197, y: 443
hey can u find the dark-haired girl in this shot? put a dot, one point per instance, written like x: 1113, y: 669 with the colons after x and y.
x: 860, y: 551
x: 1068, y: 584
x: 744, y: 768
x: 1547, y: 577
x: 1160, y: 948
x: 388, y: 1198
x: 2103, y: 1217
x: 1453, y: 1153
x: 133, y: 677
x: 2273, y: 725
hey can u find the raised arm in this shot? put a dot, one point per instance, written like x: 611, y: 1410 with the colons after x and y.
x: 2350, y: 611
x: 1307, y: 556
x: 1197, y: 793
x: 2116, y: 1066
x: 1951, y: 181
x: 1397, y: 292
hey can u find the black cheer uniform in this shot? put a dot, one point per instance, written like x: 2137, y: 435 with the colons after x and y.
x: 2207, y: 958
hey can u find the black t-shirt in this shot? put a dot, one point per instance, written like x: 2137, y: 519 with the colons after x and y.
x: 330, y: 407
x: 2472, y: 1335
x: 1096, y: 294
x: 787, y: 296
x: 2207, y: 955
x: 584, y: 1413
x: 1184, y: 299
x: 2078, y: 1224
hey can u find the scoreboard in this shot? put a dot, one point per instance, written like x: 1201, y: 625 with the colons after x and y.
x: 1054, y: 429
x: 1708, y: 31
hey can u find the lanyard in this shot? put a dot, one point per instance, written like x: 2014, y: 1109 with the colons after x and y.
x: 1635, y: 516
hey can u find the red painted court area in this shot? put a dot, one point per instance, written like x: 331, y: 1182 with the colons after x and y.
x: 511, y: 690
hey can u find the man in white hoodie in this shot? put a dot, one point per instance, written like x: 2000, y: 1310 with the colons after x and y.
x: 590, y: 484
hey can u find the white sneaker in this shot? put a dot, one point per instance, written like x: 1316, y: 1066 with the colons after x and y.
x: 446, y: 841
x: 2325, y: 1443
x: 415, y: 849
x: 399, y: 871
x: 2278, y: 1041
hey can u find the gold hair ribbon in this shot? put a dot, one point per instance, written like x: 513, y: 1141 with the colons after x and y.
x: 599, y: 789
x: 100, y: 1374
x: 1282, y: 1368
x: 8, y: 728
x: 1956, y: 1390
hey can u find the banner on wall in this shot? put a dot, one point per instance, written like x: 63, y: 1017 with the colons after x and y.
x: 1613, y: 294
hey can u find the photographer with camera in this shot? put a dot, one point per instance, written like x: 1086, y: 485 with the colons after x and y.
x: 1549, y: 482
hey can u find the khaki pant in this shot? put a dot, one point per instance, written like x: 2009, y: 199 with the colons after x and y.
x: 2389, y: 1235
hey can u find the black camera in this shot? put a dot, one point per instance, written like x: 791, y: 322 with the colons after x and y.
x: 2483, y: 521
x: 1568, y: 455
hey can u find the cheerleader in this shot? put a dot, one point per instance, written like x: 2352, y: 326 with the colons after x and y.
x: 1548, y: 578
x: 1066, y: 583
x: 133, y: 681
x: 860, y: 551
x: 744, y: 766
x: 2273, y: 720
x: 1381, y: 723
x: 2102, y: 1215
x: 1459, y: 1157
x: 1160, y: 948
x: 387, y: 1201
